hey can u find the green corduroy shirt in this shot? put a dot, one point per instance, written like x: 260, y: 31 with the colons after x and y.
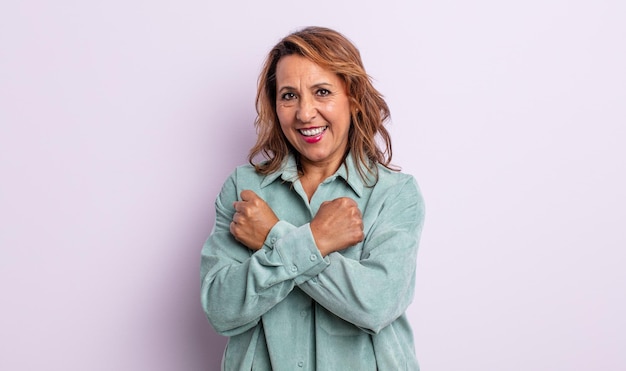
x: 285, y: 307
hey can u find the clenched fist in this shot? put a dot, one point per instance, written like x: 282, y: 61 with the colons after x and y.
x: 337, y: 225
x: 252, y: 221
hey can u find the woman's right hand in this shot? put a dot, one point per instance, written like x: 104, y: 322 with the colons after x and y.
x: 252, y: 221
x: 337, y: 225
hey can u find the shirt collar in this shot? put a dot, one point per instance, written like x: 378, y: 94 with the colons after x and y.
x: 288, y: 172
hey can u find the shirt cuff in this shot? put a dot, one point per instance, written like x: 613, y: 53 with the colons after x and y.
x: 299, y: 254
x: 279, y: 230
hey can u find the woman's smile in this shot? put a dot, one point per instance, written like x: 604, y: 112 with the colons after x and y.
x: 313, y: 135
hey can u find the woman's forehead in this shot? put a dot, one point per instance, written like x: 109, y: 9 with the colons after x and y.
x: 295, y: 69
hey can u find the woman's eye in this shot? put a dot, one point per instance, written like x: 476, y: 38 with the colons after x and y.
x: 288, y: 96
x: 323, y: 92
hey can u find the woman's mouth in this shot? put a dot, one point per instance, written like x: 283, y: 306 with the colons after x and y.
x: 313, y: 135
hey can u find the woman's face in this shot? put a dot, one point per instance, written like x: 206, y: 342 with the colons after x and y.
x: 314, y: 111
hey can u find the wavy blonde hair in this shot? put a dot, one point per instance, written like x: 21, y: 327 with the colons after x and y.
x: 369, y: 111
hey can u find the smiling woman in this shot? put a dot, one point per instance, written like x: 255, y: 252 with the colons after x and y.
x: 311, y: 263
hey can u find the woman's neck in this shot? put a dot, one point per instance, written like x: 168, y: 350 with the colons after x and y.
x: 313, y: 174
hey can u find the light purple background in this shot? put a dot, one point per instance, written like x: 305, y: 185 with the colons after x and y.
x: 119, y: 120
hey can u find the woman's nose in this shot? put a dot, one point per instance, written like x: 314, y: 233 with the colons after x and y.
x: 306, y: 110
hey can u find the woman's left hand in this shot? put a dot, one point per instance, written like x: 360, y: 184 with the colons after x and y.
x: 252, y: 221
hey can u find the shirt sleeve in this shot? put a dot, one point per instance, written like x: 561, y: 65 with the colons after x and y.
x: 373, y: 292
x: 239, y: 286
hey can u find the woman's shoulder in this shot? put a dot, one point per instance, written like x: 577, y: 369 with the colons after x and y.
x: 393, y: 178
x: 240, y: 178
x: 245, y: 173
x: 399, y: 188
x: 246, y: 170
x: 395, y: 183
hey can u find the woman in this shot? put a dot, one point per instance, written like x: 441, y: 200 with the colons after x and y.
x: 311, y: 263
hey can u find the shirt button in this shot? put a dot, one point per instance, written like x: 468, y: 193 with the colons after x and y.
x: 303, y: 313
x: 313, y: 257
x: 314, y: 280
x: 273, y: 240
x: 294, y: 268
x: 300, y: 364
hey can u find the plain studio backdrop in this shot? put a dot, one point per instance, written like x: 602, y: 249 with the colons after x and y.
x: 119, y: 121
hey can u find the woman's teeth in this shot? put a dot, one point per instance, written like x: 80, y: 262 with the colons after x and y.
x: 312, y: 132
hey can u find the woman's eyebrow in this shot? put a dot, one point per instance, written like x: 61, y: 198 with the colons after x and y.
x: 286, y: 87
x: 316, y: 85
x: 322, y: 84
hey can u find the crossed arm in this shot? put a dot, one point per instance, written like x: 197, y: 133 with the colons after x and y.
x: 240, y: 285
x: 336, y: 226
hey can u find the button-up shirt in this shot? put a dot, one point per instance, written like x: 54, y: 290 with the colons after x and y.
x: 285, y: 307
